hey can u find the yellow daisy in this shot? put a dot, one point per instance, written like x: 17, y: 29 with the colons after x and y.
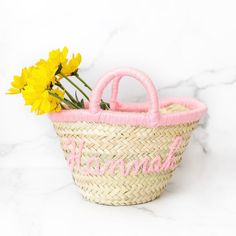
x: 72, y: 65
x: 41, y: 100
x: 42, y: 77
x: 58, y: 57
x: 19, y: 82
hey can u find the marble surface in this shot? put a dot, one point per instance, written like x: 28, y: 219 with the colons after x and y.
x: 187, y: 47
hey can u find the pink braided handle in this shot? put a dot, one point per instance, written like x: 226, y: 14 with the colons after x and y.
x: 116, y: 75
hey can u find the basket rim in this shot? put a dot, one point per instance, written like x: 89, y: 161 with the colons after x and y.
x: 135, y: 114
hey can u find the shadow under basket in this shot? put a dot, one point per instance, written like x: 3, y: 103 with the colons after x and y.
x: 126, y: 155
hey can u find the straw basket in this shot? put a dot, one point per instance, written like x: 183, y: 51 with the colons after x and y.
x: 126, y: 155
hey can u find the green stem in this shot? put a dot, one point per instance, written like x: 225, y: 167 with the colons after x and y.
x: 67, y: 93
x: 75, y: 85
x: 82, y: 81
x: 67, y: 102
x: 103, y: 103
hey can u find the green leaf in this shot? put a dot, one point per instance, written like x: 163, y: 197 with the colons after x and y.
x: 76, y: 97
x: 82, y: 103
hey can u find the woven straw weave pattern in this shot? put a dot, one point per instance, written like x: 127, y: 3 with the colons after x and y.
x: 125, y: 142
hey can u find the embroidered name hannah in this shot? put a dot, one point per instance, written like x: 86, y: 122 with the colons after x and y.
x: 93, y: 165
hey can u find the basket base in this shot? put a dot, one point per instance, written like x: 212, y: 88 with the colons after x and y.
x: 124, y: 203
x: 122, y: 196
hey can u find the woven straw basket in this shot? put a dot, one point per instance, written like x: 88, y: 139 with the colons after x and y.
x: 126, y: 155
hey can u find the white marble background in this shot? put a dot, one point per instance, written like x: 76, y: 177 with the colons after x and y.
x: 189, y: 49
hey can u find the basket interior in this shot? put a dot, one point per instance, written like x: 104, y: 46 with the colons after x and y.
x: 173, y: 108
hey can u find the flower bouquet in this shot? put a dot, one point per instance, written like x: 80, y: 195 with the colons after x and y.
x: 119, y: 153
x: 42, y: 88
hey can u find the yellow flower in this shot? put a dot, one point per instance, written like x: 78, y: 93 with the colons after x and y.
x: 41, y: 77
x: 31, y: 94
x: 19, y: 82
x: 55, y: 102
x: 41, y: 100
x: 72, y: 65
x: 58, y: 57
x: 36, y: 92
x: 48, y: 65
x: 57, y: 62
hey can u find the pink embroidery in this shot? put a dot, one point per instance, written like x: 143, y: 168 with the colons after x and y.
x: 170, y: 162
x: 145, y: 165
x: 71, y: 145
x: 93, y: 166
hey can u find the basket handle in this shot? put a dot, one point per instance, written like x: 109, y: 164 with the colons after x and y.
x: 116, y: 75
